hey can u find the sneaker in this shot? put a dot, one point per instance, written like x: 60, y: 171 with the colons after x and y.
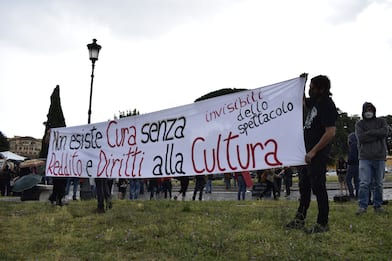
x: 360, y: 211
x: 379, y: 210
x: 318, y: 228
x: 296, y: 224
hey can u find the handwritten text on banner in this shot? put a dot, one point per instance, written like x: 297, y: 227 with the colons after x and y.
x: 249, y: 130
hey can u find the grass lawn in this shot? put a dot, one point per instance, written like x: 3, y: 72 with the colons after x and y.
x: 188, y: 230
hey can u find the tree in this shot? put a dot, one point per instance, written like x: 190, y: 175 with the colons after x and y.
x: 388, y: 118
x: 217, y: 93
x: 55, y: 119
x: 4, y: 144
x: 344, y: 126
x: 123, y: 114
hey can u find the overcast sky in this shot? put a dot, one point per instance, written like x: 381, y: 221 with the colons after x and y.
x: 159, y: 54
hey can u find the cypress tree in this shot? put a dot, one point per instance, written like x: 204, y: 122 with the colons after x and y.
x: 4, y: 144
x: 55, y: 119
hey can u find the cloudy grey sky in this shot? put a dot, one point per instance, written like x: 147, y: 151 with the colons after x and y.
x: 158, y: 54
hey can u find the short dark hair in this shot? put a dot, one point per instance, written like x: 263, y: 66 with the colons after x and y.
x: 322, y: 82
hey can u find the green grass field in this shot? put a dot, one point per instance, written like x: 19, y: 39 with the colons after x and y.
x: 188, y: 230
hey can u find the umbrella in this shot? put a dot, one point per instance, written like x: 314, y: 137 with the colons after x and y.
x: 32, y: 163
x: 26, y: 182
x: 11, y: 156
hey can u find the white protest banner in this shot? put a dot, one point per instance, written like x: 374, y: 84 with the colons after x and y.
x: 248, y: 130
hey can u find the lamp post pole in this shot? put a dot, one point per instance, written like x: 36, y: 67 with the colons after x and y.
x: 85, y: 189
x: 91, y: 92
x: 93, y: 49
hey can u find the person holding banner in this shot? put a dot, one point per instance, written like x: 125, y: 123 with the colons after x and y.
x: 319, y: 130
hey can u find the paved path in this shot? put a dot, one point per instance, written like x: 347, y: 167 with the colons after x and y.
x: 220, y: 193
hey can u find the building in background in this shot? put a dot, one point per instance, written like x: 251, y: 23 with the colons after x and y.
x: 25, y: 146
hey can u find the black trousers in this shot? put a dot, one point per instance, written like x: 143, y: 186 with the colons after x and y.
x: 271, y: 186
x: 5, y: 187
x: 184, y: 181
x: 58, y: 192
x: 103, y: 192
x: 199, y: 186
x: 313, y: 178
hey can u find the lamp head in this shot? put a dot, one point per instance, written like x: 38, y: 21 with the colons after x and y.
x: 93, y: 49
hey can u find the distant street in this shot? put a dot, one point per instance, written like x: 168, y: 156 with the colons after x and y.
x: 219, y: 193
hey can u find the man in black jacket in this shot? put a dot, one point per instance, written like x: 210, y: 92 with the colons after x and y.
x: 371, y: 133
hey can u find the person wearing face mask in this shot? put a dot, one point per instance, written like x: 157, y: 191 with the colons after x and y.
x: 319, y: 130
x: 372, y: 148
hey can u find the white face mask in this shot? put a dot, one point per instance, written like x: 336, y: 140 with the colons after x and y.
x: 368, y: 115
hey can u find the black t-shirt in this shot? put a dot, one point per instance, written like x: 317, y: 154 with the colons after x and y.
x: 320, y: 114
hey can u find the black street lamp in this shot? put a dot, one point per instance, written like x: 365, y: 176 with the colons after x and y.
x: 93, y: 50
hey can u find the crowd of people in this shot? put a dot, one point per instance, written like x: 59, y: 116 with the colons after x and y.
x: 10, y: 172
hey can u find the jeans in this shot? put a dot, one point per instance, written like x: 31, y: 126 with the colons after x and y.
x: 352, y: 174
x: 371, y: 170
x: 134, y: 188
x: 209, y: 186
x: 241, y: 188
x: 75, y: 185
x: 227, y: 182
x: 313, y: 178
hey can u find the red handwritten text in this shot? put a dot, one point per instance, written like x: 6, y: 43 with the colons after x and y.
x: 129, y: 165
x: 221, y: 154
x: 67, y: 165
x: 119, y: 137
